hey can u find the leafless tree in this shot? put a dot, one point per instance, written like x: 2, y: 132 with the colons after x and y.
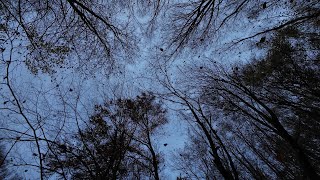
x: 199, y: 23
x: 52, y: 32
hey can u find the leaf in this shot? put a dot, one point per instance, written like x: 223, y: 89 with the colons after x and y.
x: 263, y: 39
x: 264, y: 5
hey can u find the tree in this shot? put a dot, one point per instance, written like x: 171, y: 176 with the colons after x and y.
x: 199, y: 23
x: 254, y: 120
x: 262, y: 114
x: 207, y: 136
x: 52, y: 32
x: 278, y: 93
x: 116, y: 143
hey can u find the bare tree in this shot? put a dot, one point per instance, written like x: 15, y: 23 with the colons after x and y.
x: 52, y: 32
x: 198, y: 23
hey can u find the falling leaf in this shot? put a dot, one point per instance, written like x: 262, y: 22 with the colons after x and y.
x: 263, y: 39
x: 264, y: 5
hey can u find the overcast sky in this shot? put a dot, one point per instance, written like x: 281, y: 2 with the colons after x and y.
x: 57, y: 99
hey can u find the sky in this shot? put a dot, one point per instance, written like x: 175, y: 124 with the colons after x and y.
x: 73, y: 92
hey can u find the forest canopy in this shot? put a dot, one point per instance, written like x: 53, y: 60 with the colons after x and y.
x: 159, y: 89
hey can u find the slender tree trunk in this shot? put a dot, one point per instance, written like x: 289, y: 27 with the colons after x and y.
x: 226, y: 173
x: 154, y: 158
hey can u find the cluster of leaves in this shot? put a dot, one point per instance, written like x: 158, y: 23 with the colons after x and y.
x: 116, y: 143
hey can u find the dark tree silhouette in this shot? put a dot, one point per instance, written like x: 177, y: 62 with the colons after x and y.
x: 196, y: 22
x: 258, y: 119
x: 280, y: 93
x: 116, y: 143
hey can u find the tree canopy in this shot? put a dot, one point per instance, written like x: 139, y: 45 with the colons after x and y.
x: 159, y: 89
